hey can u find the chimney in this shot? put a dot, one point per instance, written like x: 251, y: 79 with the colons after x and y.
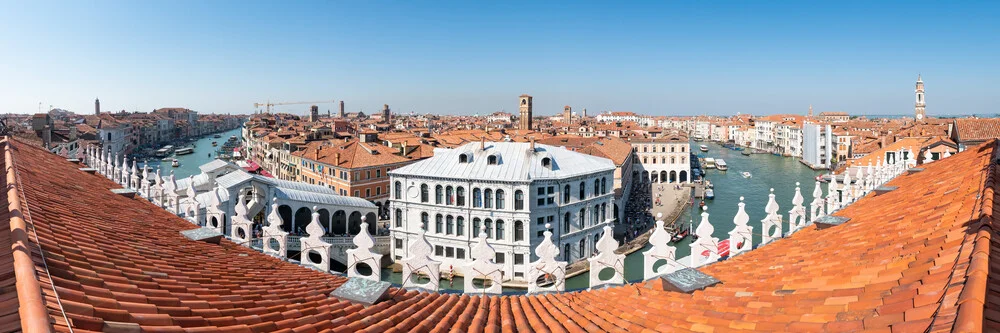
x: 316, y: 153
x: 482, y: 143
x: 532, y: 143
x: 336, y: 159
x: 403, y: 152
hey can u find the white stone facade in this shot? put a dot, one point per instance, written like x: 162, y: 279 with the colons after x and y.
x: 662, y: 160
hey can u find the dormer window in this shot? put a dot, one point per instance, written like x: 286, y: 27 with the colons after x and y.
x: 547, y: 162
x: 463, y: 158
x: 491, y: 160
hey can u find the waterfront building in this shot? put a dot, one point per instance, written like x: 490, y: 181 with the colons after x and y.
x: 510, y: 189
x: 817, y: 145
x: 834, y: 117
x: 662, y: 160
x: 613, y: 148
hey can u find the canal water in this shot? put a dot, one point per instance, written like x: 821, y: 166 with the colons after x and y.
x: 189, y: 163
x: 768, y: 171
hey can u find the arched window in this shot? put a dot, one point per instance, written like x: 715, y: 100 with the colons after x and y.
x: 438, y: 223
x: 463, y: 158
x: 683, y: 159
x: 683, y: 148
x: 488, y: 198
x: 423, y: 193
x: 663, y: 160
x: 672, y: 148
x: 673, y: 160
x: 597, y: 187
x: 438, y: 195
x: 644, y: 149
x: 399, y: 218
x: 565, y: 226
x: 566, y: 252
x: 604, y: 185
x: 500, y: 199
x: 645, y: 160
x: 500, y: 232
x: 477, y: 198
x: 491, y: 160
x: 596, y: 238
x: 460, y: 196
x: 476, y: 227
x: 604, y: 211
x: 582, y: 218
x: 399, y: 190
x: 449, y: 195
x: 488, y: 225
x: 518, y: 231
x: 596, y: 213
x: 583, y: 191
x: 583, y: 248
x: 566, y: 194
x: 663, y: 149
x: 424, y: 220
x: 546, y: 162
x: 518, y: 200
x: 449, y: 225
x: 460, y: 228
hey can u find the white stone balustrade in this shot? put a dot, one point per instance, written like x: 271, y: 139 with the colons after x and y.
x: 771, y: 221
x: 797, y: 215
x: 547, y: 266
x: 741, y: 238
x: 483, y: 267
x: 419, y: 263
x: 362, y: 254
x: 607, y: 258
x: 704, y: 244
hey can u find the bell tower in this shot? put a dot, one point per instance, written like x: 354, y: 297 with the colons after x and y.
x: 524, y: 121
x: 919, y: 112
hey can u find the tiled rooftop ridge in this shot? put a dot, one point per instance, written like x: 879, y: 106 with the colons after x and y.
x: 888, y: 268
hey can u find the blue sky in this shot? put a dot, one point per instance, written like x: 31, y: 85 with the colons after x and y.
x: 468, y: 57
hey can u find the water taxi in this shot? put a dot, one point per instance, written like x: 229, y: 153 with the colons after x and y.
x: 746, y: 174
x: 164, y: 152
x: 216, y: 136
x: 704, y: 148
x: 175, y: 163
x: 185, y: 151
x: 709, y: 163
x: 721, y: 165
x: 709, y: 194
x: 214, y: 143
x: 745, y: 152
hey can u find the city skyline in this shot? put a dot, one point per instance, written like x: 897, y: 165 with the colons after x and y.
x: 666, y: 59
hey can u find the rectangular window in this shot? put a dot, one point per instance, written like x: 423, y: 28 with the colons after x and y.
x: 541, y: 221
x: 540, y: 233
x: 399, y: 243
x: 357, y: 193
x: 518, y: 259
x: 368, y: 192
x: 449, y: 252
x: 460, y: 253
x: 378, y: 173
x: 499, y: 258
x: 438, y: 250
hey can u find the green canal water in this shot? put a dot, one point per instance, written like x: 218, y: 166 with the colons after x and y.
x: 189, y: 163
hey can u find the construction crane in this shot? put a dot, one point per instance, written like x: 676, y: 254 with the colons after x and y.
x: 268, y: 105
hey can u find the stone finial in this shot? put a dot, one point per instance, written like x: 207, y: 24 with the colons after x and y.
x: 796, y: 216
x: 64, y: 152
x: 848, y: 189
x: 172, y: 183
x: 947, y: 153
x: 273, y: 218
x: 547, y: 266
x: 419, y: 262
x: 704, y: 243
x: 607, y: 258
x: 659, y: 249
x: 272, y: 231
x: 817, y: 203
x: 928, y: 157
x: 81, y: 155
x: 741, y: 238
x: 363, y: 254
x: 483, y: 267
x: 771, y: 220
x: 911, y: 160
x: 314, y: 229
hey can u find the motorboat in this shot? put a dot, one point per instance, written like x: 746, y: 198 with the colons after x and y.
x: 680, y: 236
x: 822, y: 179
x: 214, y: 143
x: 721, y: 165
x: 184, y: 151
x: 709, y: 194
x: 164, y: 152
x: 216, y: 136
x: 746, y: 174
x: 175, y: 163
x: 704, y: 148
x: 709, y: 163
x: 745, y: 152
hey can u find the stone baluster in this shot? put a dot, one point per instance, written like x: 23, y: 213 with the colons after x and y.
x: 607, y: 258
x: 547, y: 266
x: 911, y: 160
x: 704, y: 244
x: 314, y: 243
x: 741, y: 238
x: 64, y: 152
x: 134, y: 181
x: 659, y: 249
x: 190, y: 200
x: 772, y: 219
x: 157, y: 190
x: 145, y: 180
x: 241, y: 226
x: 215, y: 213
x: 831, y: 195
x: 869, y: 178
x: 273, y: 231
x: 81, y: 155
x: 848, y: 190
x: 125, y: 173
x: 419, y: 262
x: 797, y: 216
x: 947, y: 154
x: 115, y: 173
x: 928, y: 157
x: 817, y: 204
x: 173, y: 205
x: 483, y: 267
x: 363, y: 254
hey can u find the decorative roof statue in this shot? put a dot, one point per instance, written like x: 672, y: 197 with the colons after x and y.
x: 64, y: 152
x: 928, y: 157
x: 314, y: 244
x: 364, y: 254
x: 772, y: 219
x: 419, y: 263
x: 274, y: 238
x: 547, y: 267
x: 832, y: 197
x: 659, y: 249
x: 607, y: 258
x: 483, y: 267
x: 741, y: 238
x: 947, y: 153
x: 81, y: 155
x: 848, y: 194
x: 797, y: 216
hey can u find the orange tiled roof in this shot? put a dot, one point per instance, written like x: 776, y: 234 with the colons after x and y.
x: 977, y: 130
x: 913, y: 258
